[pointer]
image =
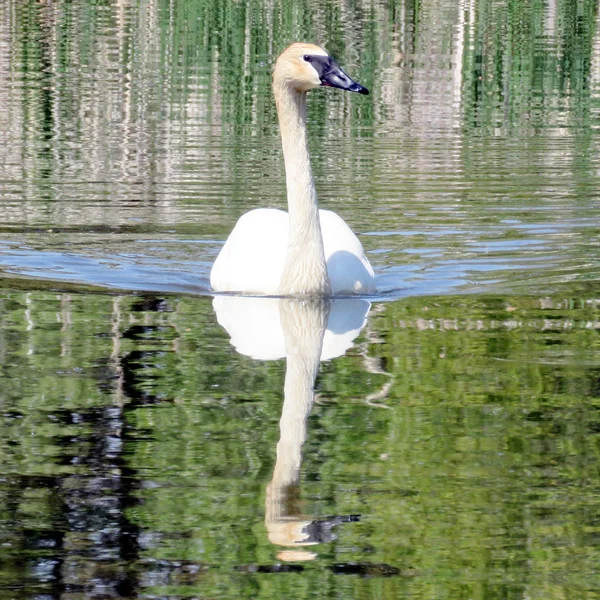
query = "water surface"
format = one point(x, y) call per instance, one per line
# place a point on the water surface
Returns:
point(157, 442)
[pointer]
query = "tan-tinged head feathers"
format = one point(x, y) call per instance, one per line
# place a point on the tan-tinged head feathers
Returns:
point(293, 70)
point(302, 67)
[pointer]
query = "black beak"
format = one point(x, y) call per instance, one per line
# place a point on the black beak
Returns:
point(332, 75)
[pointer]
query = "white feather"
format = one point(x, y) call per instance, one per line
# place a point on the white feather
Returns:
point(253, 256)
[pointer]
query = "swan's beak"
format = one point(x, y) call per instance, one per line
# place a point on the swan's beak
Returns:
point(332, 75)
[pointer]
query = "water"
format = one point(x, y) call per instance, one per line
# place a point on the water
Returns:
point(451, 449)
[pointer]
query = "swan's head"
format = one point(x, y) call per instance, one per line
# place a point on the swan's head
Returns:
point(306, 66)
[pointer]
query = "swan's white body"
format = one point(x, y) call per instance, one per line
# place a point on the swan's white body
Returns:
point(253, 258)
point(306, 251)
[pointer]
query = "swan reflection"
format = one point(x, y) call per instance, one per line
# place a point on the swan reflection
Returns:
point(304, 331)
point(256, 329)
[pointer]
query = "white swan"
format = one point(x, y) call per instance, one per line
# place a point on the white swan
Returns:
point(308, 251)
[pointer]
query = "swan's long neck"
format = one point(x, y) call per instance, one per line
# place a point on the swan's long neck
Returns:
point(305, 271)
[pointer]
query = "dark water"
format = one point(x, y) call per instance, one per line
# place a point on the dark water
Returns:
point(160, 443)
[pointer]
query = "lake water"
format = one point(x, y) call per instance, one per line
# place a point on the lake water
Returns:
point(157, 442)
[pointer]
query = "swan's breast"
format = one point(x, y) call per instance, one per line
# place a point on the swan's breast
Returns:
point(253, 257)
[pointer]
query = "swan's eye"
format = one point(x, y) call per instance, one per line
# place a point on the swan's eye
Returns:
point(307, 58)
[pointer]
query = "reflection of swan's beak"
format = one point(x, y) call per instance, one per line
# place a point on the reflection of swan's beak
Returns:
point(296, 555)
point(287, 526)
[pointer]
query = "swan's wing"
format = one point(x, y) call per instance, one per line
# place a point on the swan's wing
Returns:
point(252, 258)
point(349, 269)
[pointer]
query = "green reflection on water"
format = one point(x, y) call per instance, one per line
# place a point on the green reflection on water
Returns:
point(477, 147)
point(137, 446)
point(463, 431)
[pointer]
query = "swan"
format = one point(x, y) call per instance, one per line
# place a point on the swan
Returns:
point(307, 251)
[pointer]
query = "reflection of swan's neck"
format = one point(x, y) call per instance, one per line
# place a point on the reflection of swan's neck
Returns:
point(300, 376)
point(305, 271)
point(303, 324)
